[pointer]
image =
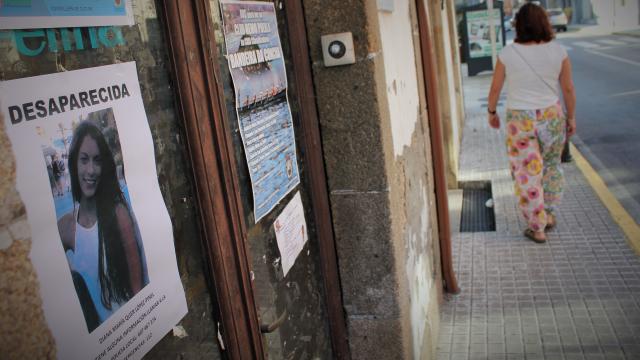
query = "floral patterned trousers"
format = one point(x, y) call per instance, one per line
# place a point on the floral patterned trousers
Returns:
point(535, 139)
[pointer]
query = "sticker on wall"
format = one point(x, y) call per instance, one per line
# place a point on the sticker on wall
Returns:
point(254, 55)
point(39, 14)
point(291, 232)
point(102, 242)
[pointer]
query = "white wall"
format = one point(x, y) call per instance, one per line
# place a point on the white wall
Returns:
point(400, 71)
point(616, 15)
point(421, 284)
point(403, 97)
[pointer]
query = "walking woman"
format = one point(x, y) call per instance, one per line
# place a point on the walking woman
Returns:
point(100, 235)
point(536, 127)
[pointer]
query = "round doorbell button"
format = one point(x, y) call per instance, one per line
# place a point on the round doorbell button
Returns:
point(337, 49)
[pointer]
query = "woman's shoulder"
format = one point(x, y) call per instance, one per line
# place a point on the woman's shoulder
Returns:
point(126, 223)
point(554, 44)
point(506, 51)
point(66, 220)
point(123, 215)
point(121, 208)
point(543, 49)
point(66, 229)
point(508, 48)
point(557, 48)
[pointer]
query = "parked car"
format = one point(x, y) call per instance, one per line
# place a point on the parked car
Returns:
point(508, 25)
point(558, 19)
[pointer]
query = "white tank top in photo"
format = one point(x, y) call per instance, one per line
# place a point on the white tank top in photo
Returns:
point(84, 260)
point(525, 89)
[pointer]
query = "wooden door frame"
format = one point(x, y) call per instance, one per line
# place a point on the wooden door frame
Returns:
point(317, 178)
point(200, 103)
point(437, 147)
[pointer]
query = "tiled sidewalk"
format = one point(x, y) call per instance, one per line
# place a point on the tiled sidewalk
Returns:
point(575, 297)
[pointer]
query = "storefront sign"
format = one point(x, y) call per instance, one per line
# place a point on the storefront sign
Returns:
point(255, 59)
point(102, 242)
point(291, 232)
point(37, 14)
point(63, 39)
point(479, 33)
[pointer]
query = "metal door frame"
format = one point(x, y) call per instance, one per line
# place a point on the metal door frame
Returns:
point(200, 103)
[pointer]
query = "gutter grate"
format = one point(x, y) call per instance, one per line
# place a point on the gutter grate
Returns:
point(476, 216)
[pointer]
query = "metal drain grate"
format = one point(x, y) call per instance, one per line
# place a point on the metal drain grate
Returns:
point(476, 216)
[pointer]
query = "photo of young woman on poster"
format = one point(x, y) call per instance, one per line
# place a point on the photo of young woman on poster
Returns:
point(98, 230)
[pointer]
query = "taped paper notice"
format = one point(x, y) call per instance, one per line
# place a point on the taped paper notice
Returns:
point(291, 232)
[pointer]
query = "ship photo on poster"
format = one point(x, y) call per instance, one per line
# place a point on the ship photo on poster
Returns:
point(254, 55)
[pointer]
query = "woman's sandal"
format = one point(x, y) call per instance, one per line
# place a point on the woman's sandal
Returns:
point(550, 224)
point(532, 235)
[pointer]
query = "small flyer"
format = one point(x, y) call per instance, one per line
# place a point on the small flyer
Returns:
point(291, 232)
point(102, 239)
point(42, 14)
point(255, 61)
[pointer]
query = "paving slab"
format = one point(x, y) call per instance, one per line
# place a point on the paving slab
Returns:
point(577, 296)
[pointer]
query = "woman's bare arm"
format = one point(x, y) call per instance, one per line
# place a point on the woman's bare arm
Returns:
point(494, 93)
point(569, 95)
point(132, 253)
point(66, 229)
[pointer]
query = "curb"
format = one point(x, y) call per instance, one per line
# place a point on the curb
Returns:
point(618, 213)
point(633, 34)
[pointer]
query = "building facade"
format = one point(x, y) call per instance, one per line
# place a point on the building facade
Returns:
point(376, 145)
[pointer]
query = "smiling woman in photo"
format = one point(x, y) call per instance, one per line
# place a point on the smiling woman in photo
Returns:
point(100, 235)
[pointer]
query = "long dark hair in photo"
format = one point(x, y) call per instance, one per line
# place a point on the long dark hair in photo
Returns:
point(113, 273)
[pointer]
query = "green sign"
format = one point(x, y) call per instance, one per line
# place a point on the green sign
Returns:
point(478, 32)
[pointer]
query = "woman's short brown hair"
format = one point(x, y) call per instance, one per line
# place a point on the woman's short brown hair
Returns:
point(532, 24)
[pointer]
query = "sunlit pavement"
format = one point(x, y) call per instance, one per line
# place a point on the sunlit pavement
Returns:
point(606, 71)
point(575, 297)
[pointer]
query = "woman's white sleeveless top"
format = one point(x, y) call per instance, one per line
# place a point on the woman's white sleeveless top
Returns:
point(525, 89)
point(84, 260)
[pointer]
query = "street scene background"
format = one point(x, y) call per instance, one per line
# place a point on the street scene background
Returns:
point(603, 42)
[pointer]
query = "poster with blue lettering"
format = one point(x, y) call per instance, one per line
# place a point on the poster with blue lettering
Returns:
point(41, 14)
point(254, 55)
point(101, 237)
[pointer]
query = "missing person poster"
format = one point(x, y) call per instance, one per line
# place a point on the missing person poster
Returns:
point(479, 32)
point(255, 60)
point(102, 242)
point(40, 14)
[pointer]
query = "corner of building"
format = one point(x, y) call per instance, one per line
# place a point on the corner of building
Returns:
point(377, 152)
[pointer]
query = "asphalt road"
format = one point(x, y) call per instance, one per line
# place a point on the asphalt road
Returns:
point(606, 71)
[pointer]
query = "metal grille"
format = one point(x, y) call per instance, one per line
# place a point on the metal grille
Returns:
point(476, 216)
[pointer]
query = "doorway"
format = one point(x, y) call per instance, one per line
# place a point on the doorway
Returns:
point(264, 313)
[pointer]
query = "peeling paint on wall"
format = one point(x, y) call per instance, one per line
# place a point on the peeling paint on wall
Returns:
point(397, 37)
point(419, 274)
point(400, 72)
